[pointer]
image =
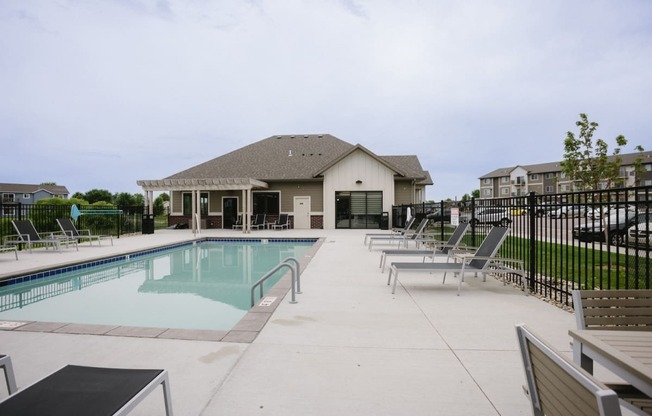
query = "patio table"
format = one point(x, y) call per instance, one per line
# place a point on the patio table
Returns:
point(628, 354)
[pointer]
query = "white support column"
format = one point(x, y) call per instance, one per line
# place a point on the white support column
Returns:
point(198, 212)
point(150, 202)
point(193, 211)
point(250, 204)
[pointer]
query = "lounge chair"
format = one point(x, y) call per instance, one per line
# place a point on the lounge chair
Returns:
point(483, 261)
point(10, 378)
point(27, 234)
point(88, 390)
point(5, 249)
point(558, 387)
point(401, 239)
point(238, 223)
point(281, 222)
point(68, 228)
point(393, 232)
point(439, 249)
point(259, 222)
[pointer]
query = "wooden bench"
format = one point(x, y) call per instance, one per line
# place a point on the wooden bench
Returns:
point(613, 309)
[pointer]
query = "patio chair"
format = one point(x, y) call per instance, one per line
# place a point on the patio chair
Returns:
point(627, 309)
point(238, 223)
point(27, 234)
point(77, 389)
point(259, 222)
point(10, 379)
point(483, 261)
point(401, 239)
point(5, 249)
point(281, 222)
point(70, 230)
point(556, 386)
point(393, 232)
point(439, 248)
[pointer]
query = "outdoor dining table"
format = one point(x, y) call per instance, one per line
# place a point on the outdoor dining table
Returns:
point(628, 354)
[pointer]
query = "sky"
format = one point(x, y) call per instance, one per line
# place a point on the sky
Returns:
point(100, 94)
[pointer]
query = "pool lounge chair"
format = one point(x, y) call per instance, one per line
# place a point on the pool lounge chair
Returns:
point(259, 222)
point(6, 249)
point(10, 378)
point(238, 223)
point(483, 261)
point(70, 230)
point(281, 222)
point(401, 239)
point(395, 232)
point(27, 234)
point(556, 386)
point(94, 391)
point(439, 248)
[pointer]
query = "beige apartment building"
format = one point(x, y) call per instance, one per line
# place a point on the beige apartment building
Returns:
point(548, 178)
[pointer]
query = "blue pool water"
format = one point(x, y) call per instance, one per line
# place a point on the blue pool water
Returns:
point(205, 285)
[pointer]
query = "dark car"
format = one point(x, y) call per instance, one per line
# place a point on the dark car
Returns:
point(616, 225)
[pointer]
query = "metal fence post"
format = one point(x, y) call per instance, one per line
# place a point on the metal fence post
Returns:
point(533, 241)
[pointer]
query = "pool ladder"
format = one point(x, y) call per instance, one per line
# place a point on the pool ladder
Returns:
point(291, 263)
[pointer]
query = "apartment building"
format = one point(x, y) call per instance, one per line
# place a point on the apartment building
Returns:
point(548, 178)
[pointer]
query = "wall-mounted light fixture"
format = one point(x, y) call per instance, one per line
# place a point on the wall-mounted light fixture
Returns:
point(358, 181)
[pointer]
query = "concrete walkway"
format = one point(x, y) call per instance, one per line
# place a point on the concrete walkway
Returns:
point(347, 347)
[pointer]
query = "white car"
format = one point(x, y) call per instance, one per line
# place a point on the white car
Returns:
point(640, 235)
point(568, 211)
point(612, 211)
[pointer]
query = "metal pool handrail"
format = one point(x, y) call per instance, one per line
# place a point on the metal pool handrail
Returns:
point(296, 277)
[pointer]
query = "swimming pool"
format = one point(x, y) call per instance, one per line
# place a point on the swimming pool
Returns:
point(203, 284)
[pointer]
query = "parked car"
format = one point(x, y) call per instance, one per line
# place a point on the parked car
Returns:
point(494, 216)
point(612, 210)
point(518, 211)
point(640, 235)
point(568, 211)
point(617, 226)
point(436, 215)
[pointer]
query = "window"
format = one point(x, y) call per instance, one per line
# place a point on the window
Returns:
point(486, 192)
point(550, 189)
point(27, 196)
point(563, 175)
point(358, 209)
point(267, 202)
point(486, 181)
point(187, 204)
point(504, 191)
point(504, 179)
point(549, 175)
point(647, 182)
point(8, 198)
point(534, 177)
point(648, 167)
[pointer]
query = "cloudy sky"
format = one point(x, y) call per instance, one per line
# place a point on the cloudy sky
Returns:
point(99, 94)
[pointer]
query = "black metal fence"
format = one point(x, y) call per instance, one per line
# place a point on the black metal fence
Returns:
point(587, 240)
point(100, 220)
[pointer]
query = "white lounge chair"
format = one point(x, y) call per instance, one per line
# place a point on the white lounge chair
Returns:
point(439, 248)
point(88, 390)
point(394, 232)
point(483, 261)
point(70, 230)
point(403, 239)
point(27, 234)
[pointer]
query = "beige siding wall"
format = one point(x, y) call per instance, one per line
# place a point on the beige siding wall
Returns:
point(343, 176)
point(402, 193)
point(291, 189)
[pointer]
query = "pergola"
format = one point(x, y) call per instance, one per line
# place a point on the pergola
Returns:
point(196, 186)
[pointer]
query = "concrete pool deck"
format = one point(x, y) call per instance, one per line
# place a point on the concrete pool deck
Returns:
point(347, 347)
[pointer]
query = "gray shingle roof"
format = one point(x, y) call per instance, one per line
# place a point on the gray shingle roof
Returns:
point(20, 188)
point(289, 157)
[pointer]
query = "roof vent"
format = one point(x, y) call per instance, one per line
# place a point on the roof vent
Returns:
point(305, 136)
point(320, 136)
point(290, 153)
point(291, 137)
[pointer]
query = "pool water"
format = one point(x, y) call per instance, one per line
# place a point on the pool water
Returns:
point(193, 286)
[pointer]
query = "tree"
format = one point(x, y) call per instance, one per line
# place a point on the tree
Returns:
point(96, 195)
point(587, 162)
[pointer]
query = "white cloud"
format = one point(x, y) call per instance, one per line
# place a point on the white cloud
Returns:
point(143, 89)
